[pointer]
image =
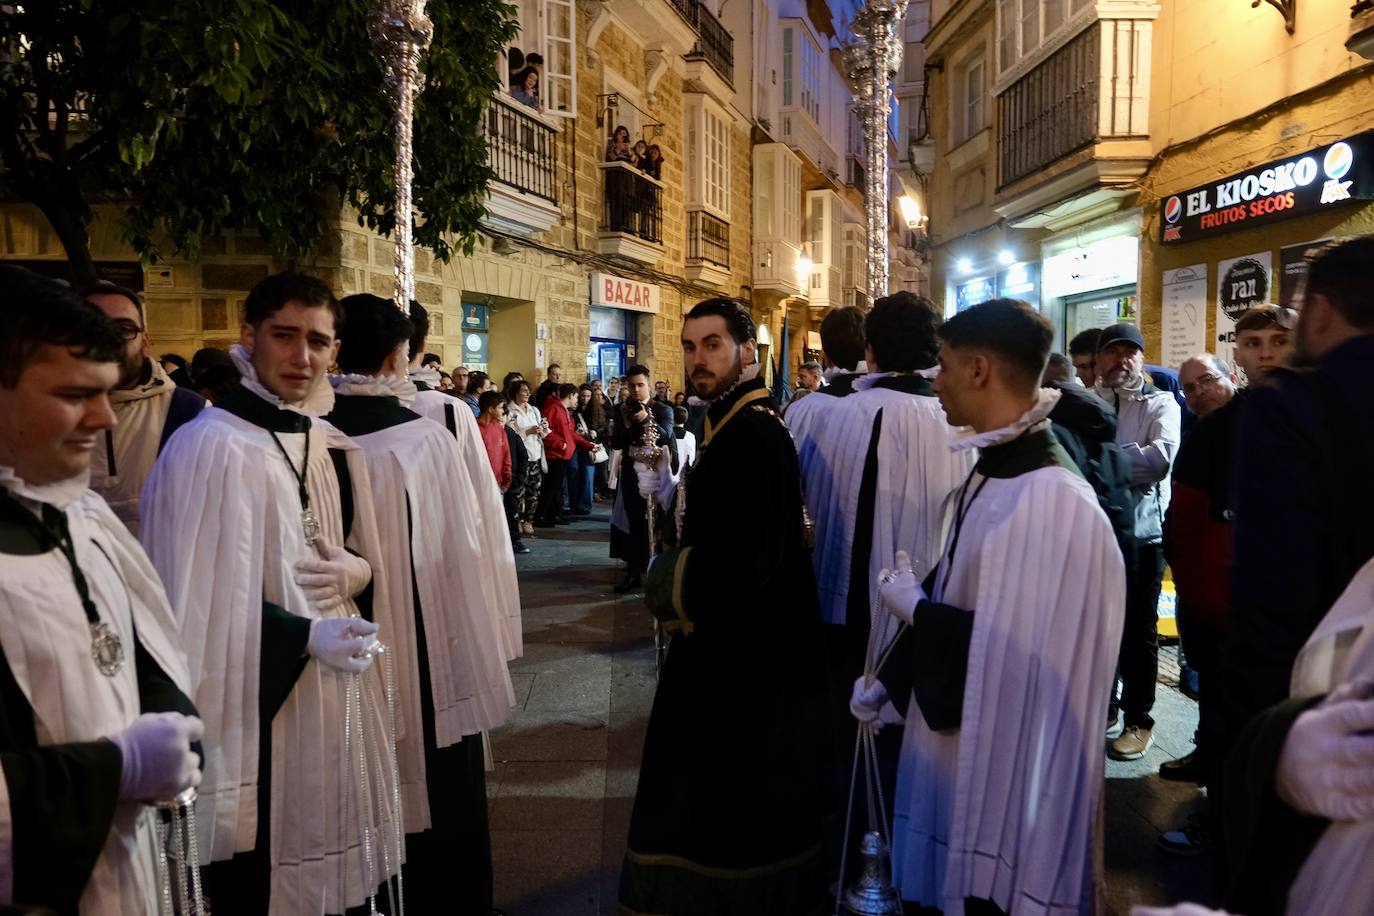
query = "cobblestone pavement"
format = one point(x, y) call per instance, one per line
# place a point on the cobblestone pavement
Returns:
point(567, 761)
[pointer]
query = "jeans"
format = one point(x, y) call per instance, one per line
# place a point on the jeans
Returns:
point(580, 472)
point(1203, 645)
point(1139, 659)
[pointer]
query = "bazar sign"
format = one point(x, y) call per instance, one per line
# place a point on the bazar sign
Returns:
point(1302, 184)
point(623, 293)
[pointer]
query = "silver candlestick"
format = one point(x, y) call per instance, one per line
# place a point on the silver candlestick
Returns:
point(647, 453)
point(402, 32)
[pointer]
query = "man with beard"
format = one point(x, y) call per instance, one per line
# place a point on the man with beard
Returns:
point(731, 799)
point(259, 519)
point(148, 408)
point(629, 519)
point(1148, 431)
point(1011, 648)
point(449, 651)
point(1304, 446)
point(95, 722)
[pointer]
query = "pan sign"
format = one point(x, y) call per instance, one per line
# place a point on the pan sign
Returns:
point(615, 292)
point(1302, 184)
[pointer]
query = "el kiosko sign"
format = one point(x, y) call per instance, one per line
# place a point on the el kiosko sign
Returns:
point(1299, 185)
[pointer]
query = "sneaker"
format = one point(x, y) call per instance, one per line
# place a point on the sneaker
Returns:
point(1192, 839)
point(519, 547)
point(1132, 744)
point(1187, 768)
point(1115, 726)
point(1188, 684)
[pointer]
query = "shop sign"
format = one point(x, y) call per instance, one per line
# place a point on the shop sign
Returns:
point(1302, 184)
point(1020, 281)
point(1100, 265)
point(1293, 272)
point(615, 292)
point(972, 292)
point(1242, 284)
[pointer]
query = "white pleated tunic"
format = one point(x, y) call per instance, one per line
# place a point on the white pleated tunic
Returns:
point(498, 558)
point(419, 480)
point(222, 524)
point(47, 643)
point(1006, 808)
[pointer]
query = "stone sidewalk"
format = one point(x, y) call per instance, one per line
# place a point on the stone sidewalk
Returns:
point(567, 762)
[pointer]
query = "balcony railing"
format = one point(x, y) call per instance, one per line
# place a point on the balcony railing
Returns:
point(708, 239)
point(633, 202)
point(520, 148)
point(1059, 107)
point(715, 45)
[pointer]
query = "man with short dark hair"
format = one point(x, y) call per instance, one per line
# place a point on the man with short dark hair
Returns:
point(95, 720)
point(629, 520)
point(730, 808)
point(842, 347)
point(1148, 431)
point(560, 445)
point(1005, 663)
point(809, 376)
point(553, 377)
point(1302, 488)
point(246, 516)
point(1060, 369)
point(148, 407)
point(1083, 355)
point(450, 663)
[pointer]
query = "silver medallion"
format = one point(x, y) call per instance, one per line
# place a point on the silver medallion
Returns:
point(310, 525)
point(106, 649)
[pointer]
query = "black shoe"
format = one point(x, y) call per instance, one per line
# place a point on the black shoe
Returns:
point(1191, 839)
point(580, 512)
point(1187, 768)
point(543, 523)
point(562, 520)
point(519, 547)
point(628, 584)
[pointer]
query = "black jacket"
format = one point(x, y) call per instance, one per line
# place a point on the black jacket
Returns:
point(1086, 428)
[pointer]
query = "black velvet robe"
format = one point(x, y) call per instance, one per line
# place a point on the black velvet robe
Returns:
point(732, 806)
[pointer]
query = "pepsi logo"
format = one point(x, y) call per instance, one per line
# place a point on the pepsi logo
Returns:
point(1173, 209)
point(1339, 158)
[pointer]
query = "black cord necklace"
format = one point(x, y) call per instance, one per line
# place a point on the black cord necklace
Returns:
point(310, 524)
point(53, 532)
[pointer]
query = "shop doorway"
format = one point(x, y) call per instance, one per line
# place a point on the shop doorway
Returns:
point(1098, 309)
point(614, 333)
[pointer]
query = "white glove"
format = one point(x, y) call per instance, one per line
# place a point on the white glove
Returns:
point(899, 589)
point(332, 577)
point(1182, 909)
point(655, 482)
point(157, 761)
point(342, 643)
point(1326, 767)
point(867, 701)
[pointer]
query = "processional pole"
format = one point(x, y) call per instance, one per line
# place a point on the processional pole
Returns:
point(402, 33)
point(871, 59)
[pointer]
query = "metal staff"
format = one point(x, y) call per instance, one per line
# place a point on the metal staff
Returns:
point(647, 453)
point(402, 32)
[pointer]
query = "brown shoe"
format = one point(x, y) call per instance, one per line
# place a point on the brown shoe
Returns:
point(1132, 744)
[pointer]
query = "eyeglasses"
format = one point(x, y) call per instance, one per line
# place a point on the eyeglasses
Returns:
point(127, 329)
point(1193, 388)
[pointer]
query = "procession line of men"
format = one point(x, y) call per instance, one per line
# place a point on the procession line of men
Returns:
point(287, 530)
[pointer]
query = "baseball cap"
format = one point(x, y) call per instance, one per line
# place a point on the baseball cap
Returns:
point(1125, 332)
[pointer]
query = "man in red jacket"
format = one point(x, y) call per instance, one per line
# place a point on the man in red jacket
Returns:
point(560, 445)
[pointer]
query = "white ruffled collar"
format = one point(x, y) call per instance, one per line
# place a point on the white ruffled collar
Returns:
point(390, 386)
point(834, 372)
point(318, 402)
point(870, 380)
point(747, 374)
point(967, 438)
point(429, 376)
point(61, 494)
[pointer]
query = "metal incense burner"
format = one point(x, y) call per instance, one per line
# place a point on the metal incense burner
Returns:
point(873, 894)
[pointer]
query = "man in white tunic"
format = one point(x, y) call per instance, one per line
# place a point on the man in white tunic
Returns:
point(1011, 643)
point(148, 407)
point(245, 517)
point(448, 649)
point(95, 719)
point(497, 559)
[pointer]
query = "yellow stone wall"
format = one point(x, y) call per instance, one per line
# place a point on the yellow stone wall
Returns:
point(1220, 106)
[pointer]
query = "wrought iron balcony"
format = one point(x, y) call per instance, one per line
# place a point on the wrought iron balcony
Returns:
point(631, 213)
point(1072, 100)
point(708, 239)
point(520, 148)
point(714, 45)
